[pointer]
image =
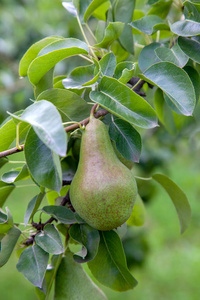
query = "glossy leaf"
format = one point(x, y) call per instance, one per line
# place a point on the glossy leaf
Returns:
point(50, 55)
point(69, 6)
point(6, 221)
point(148, 56)
point(108, 64)
point(7, 134)
point(62, 213)
point(92, 7)
point(89, 238)
point(124, 70)
point(112, 32)
point(71, 275)
point(149, 24)
point(186, 28)
point(109, 266)
point(32, 53)
point(190, 47)
point(175, 83)
point(50, 240)
point(47, 123)
point(33, 207)
point(8, 244)
point(174, 55)
point(67, 103)
point(32, 264)
point(14, 176)
point(178, 198)
point(43, 164)
point(137, 217)
point(120, 100)
point(126, 138)
point(5, 190)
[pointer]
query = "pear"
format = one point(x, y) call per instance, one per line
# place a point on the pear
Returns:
point(103, 190)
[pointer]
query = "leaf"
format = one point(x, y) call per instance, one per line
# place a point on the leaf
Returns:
point(7, 134)
point(109, 266)
point(175, 83)
point(71, 275)
point(50, 240)
point(100, 13)
point(137, 217)
point(43, 164)
point(32, 53)
point(62, 213)
point(178, 198)
point(32, 264)
point(45, 83)
point(47, 123)
point(7, 244)
point(3, 161)
point(6, 221)
point(126, 138)
point(112, 32)
point(174, 55)
point(108, 64)
point(69, 6)
point(89, 238)
point(50, 55)
point(186, 28)
point(5, 190)
point(149, 24)
point(14, 176)
point(120, 100)
point(191, 11)
point(69, 167)
point(148, 56)
point(92, 7)
point(123, 12)
point(124, 70)
point(161, 8)
point(190, 47)
point(33, 207)
point(195, 78)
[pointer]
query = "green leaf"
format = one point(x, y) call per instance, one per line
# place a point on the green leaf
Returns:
point(71, 275)
point(174, 55)
point(43, 164)
point(8, 244)
point(47, 123)
point(137, 217)
point(50, 240)
point(149, 24)
point(108, 64)
point(67, 103)
point(109, 266)
point(191, 11)
point(89, 238)
point(175, 83)
point(50, 55)
point(32, 53)
point(45, 83)
point(195, 78)
point(32, 207)
point(124, 70)
point(178, 198)
point(6, 221)
point(148, 56)
point(3, 161)
point(7, 134)
point(32, 264)
point(123, 12)
point(190, 47)
point(186, 28)
point(161, 8)
point(92, 7)
point(101, 12)
point(69, 167)
point(62, 213)
point(120, 100)
point(14, 176)
point(112, 32)
point(126, 138)
point(5, 190)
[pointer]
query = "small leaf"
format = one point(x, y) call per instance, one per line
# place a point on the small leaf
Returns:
point(174, 55)
point(190, 47)
point(32, 264)
point(108, 64)
point(14, 176)
point(161, 8)
point(112, 32)
point(3, 161)
point(178, 198)
point(71, 275)
point(120, 100)
point(186, 28)
point(8, 244)
point(89, 238)
point(5, 190)
point(50, 240)
point(43, 164)
point(92, 7)
point(127, 139)
point(47, 123)
point(7, 134)
point(62, 213)
point(137, 217)
point(122, 67)
point(69, 6)
point(6, 221)
point(32, 207)
point(175, 83)
point(109, 265)
point(149, 24)
point(148, 56)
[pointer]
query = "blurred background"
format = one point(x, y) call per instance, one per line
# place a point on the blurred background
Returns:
point(165, 263)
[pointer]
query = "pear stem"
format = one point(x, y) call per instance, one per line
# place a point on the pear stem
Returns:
point(94, 110)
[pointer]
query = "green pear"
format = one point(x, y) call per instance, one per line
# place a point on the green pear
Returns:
point(103, 190)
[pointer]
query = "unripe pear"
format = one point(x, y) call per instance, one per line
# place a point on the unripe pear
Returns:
point(103, 190)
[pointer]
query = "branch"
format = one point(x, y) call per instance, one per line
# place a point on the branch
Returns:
point(98, 114)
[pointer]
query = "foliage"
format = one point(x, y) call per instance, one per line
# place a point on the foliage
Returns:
point(119, 78)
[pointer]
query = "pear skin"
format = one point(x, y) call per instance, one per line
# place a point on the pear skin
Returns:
point(103, 190)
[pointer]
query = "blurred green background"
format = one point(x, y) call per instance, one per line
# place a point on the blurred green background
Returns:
point(165, 263)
